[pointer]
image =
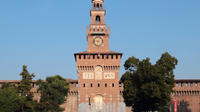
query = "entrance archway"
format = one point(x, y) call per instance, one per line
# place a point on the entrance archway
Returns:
point(98, 103)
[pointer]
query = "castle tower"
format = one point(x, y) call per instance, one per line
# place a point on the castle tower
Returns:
point(98, 67)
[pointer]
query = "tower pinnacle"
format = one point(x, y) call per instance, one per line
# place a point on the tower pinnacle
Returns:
point(97, 4)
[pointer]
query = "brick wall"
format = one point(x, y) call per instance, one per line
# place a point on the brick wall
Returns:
point(186, 92)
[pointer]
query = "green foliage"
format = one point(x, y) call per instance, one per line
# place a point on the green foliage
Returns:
point(53, 92)
point(25, 83)
point(10, 100)
point(24, 89)
point(147, 87)
point(17, 99)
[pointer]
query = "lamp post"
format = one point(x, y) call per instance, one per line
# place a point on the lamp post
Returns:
point(89, 104)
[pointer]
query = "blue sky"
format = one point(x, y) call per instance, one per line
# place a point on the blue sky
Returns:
point(44, 34)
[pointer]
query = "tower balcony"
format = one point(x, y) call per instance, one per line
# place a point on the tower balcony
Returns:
point(98, 29)
point(98, 9)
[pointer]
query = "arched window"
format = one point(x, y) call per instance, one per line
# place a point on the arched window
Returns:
point(83, 85)
point(98, 19)
point(91, 85)
point(101, 7)
point(98, 6)
point(113, 85)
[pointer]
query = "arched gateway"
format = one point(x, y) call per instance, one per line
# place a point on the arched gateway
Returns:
point(98, 103)
point(98, 67)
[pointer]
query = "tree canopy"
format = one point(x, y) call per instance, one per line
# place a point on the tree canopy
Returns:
point(10, 100)
point(19, 98)
point(24, 89)
point(53, 93)
point(147, 87)
point(26, 82)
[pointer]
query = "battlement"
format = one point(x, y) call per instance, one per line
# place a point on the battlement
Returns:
point(187, 84)
point(186, 87)
point(95, 55)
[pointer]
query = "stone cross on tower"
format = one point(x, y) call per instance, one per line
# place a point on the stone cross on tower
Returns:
point(98, 67)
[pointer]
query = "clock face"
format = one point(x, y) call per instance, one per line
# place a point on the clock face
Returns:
point(98, 41)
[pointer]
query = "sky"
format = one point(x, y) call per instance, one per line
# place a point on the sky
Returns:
point(45, 34)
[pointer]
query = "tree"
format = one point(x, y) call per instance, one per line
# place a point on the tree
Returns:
point(15, 99)
point(10, 100)
point(24, 89)
point(53, 93)
point(147, 87)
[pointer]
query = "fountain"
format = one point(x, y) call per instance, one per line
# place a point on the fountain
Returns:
point(107, 107)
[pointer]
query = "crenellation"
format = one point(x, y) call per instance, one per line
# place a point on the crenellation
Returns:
point(105, 68)
point(89, 57)
point(187, 84)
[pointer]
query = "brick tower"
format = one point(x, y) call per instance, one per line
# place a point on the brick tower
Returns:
point(98, 67)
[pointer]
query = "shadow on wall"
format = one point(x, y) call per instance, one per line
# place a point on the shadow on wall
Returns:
point(182, 106)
